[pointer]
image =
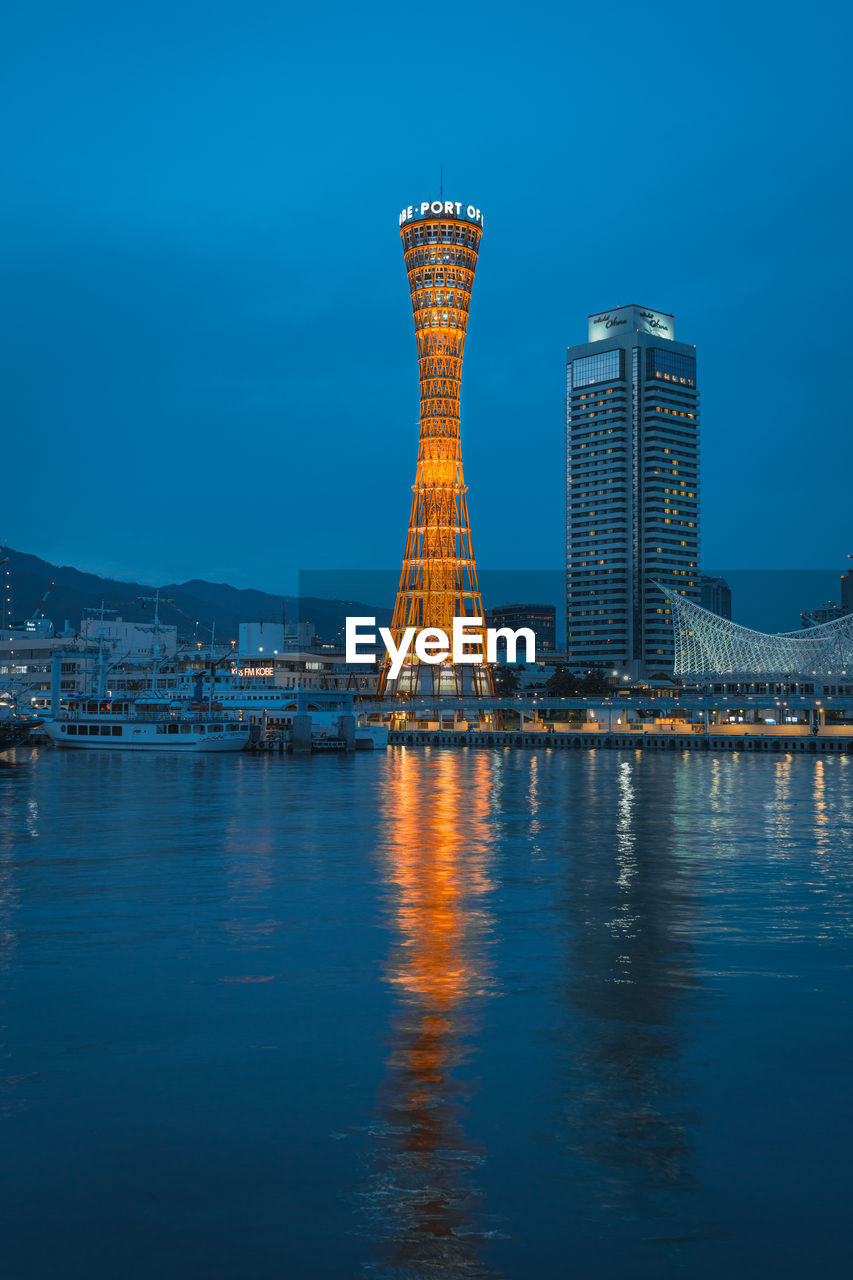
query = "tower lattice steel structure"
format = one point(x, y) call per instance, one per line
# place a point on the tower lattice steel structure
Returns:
point(441, 241)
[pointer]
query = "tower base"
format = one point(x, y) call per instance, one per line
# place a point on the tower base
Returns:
point(418, 679)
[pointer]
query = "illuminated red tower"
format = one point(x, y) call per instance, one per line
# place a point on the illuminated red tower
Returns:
point(438, 582)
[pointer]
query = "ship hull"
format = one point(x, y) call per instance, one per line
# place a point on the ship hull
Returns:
point(146, 738)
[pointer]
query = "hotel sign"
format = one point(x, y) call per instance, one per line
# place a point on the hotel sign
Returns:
point(655, 323)
point(607, 324)
point(442, 209)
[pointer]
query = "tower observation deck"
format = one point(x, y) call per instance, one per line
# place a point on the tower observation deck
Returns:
point(441, 241)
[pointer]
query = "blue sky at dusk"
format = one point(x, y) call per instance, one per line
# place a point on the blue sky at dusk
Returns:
point(208, 359)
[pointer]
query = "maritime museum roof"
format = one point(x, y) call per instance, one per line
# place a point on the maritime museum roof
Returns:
point(708, 645)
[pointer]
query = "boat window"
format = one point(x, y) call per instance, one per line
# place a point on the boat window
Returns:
point(105, 730)
point(116, 730)
point(174, 728)
point(71, 728)
point(83, 729)
point(199, 728)
point(185, 728)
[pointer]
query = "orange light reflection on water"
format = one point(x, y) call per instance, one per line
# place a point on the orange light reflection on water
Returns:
point(435, 861)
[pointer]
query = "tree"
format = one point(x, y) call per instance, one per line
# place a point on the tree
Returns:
point(595, 683)
point(565, 684)
point(506, 681)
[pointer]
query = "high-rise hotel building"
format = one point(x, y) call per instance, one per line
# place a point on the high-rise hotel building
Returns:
point(632, 489)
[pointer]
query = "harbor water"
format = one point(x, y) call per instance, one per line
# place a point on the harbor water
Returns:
point(425, 1013)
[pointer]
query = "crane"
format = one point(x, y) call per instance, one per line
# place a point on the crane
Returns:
point(38, 612)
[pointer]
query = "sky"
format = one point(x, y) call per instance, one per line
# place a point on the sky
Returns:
point(207, 352)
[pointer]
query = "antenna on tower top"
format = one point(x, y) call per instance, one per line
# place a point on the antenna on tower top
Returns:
point(441, 185)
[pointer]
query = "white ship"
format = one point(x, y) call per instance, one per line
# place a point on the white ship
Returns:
point(148, 725)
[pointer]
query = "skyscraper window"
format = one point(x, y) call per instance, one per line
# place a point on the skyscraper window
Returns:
point(671, 366)
point(604, 367)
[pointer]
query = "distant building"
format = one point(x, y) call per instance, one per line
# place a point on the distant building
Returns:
point(826, 613)
point(131, 640)
point(829, 611)
point(42, 627)
point(715, 595)
point(632, 489)
point(260, 638)
point(26, 660)
point(540, 618)
point(268, 638)
point(847, 590)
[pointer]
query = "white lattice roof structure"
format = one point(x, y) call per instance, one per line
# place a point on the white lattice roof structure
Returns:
point(707, 645)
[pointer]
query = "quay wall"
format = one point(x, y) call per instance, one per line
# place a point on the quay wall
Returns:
point(835, 744)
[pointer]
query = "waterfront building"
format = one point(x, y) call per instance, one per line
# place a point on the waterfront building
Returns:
point(26, 661)
point(88, 661)
point(438, 582)
point(715, 595)
point(632, 489)
point(540, 618)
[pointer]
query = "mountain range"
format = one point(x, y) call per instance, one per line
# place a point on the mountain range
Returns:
point(192, 606)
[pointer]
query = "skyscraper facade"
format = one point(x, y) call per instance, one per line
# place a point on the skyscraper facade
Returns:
point(632, 489)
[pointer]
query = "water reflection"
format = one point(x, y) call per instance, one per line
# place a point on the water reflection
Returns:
point(632, 908)
point(18, 825)
point(423, 1203)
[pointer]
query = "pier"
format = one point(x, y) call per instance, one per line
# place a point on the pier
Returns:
point(826, 742)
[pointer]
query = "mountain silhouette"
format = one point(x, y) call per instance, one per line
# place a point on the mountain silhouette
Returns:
point(191, 606)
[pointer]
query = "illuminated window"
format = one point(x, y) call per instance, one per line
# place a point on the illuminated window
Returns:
point(671, 366)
